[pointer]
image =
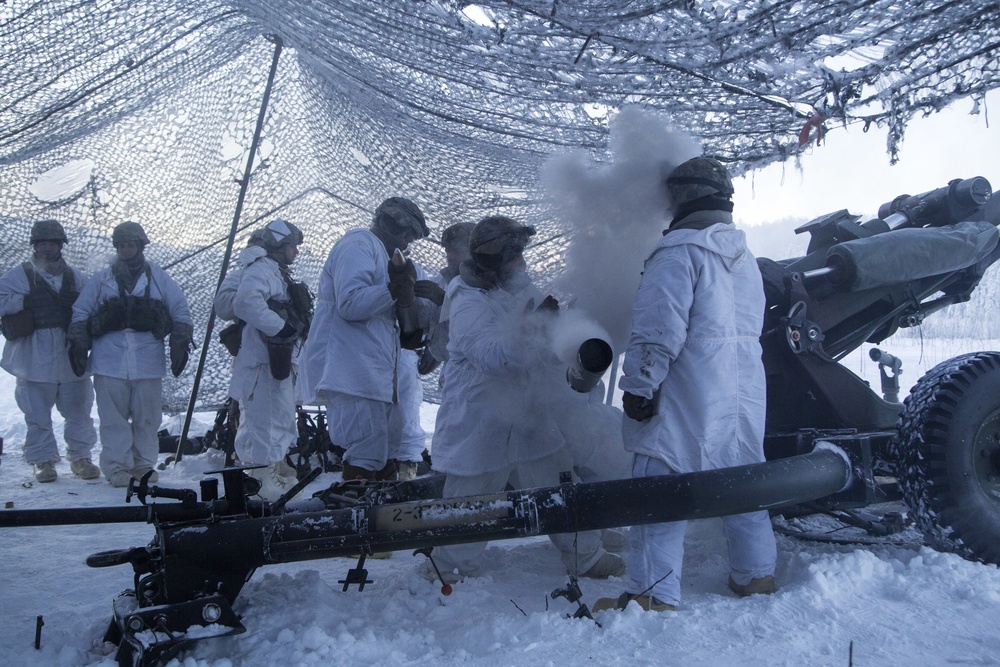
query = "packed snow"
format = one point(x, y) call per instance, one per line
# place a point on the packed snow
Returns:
point(892, 603)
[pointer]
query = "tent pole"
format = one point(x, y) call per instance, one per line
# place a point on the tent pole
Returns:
point(244, 184)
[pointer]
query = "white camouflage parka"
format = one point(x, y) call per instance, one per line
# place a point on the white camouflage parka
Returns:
point(695, 350)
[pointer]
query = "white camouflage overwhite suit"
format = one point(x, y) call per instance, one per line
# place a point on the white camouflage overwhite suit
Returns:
point(351, 358)
point(44, 378)
point(128, 368)
point(492, 428)
point(695, 350)
point(268, 419)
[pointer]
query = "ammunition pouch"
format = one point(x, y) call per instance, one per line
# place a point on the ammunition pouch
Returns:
point(44, 308)
point(279, 356)
point(231, 337)
point(18, 325)
point(139, 313)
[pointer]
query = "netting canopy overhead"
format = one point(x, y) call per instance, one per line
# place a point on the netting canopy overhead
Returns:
point(148, 110)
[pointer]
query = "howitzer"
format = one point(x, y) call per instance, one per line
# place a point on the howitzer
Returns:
point(858, 282)
point(204, 551)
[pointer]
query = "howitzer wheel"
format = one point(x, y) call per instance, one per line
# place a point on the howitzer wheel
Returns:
point(948, 455)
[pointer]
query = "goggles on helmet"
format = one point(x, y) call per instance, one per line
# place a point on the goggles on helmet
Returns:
point(494, 253)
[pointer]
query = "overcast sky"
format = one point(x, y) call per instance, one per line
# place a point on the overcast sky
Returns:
point(851, 169)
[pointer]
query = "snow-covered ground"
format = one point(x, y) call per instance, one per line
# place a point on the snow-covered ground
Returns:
point(837, 604)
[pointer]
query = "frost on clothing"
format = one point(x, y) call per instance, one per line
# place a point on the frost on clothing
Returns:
point(695, 350)
point(129, 354)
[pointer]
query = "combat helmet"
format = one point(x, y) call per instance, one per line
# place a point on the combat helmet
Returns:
point(457, 235)
point(48, 230)
point(496, 240)
point(696, 179)
point(130, 231)
point(398, 214)
point(276, 234)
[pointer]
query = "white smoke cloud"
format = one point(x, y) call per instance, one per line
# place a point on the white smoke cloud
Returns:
point(617, 212)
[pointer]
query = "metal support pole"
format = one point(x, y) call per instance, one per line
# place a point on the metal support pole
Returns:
point(244, 184)
point(611, 384)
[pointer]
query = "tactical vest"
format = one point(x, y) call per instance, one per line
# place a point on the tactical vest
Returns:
point(50, 309)
point(139, 313)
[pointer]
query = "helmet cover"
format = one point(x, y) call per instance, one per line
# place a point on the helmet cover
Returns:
point(397, 214)
point(48, 230)
point(696, 178)
point(130, 231)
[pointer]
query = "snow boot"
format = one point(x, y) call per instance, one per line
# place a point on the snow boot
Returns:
point(137, 473)
point(645, 602)
point(84, 469)
point(406, 470)
point(45, 472)
point(119, 478)
point(759, 586)
point(272, 484)
point(288, 472)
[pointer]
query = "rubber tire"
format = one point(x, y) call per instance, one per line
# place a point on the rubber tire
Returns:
point(948, 456)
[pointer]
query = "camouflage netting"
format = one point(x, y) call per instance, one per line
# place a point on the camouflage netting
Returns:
point(146, 110)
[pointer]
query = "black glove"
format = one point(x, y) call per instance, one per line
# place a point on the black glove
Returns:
point(180, 344)
point(430, 290)
point(402, 278)
point(78, 358)
point(427, 362)
point(638, 408)
point(287, 331)
point(178, 358)
point(78, 337)
point(548, 304)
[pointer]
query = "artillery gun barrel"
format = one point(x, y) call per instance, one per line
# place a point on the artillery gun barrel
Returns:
point(943, 206)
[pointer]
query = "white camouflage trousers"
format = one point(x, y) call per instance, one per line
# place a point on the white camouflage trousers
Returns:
point(130, 412)
point(268, 420)
point(406, 436)
point(656, 550)
point(74, 400)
